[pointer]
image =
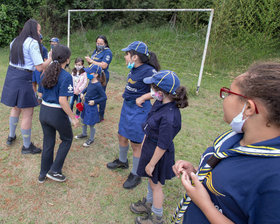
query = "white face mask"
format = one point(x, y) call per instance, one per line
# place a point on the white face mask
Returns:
point(238, 122)
point(156, 95)
point(78, 67)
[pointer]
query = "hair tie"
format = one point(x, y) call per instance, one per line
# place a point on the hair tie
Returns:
point(55, 61)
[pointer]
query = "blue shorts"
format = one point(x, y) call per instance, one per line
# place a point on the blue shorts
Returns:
point(131, 120)
point(17, 90)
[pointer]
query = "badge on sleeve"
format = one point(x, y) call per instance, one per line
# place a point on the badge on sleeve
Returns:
point(70, 88)
point(108, 58)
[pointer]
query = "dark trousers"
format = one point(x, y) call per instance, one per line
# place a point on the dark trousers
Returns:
point(52, 120)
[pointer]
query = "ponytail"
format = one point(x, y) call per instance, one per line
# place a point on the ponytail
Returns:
point(60, 55)
point(181, 98)
point(102, 78)
point(150, 60)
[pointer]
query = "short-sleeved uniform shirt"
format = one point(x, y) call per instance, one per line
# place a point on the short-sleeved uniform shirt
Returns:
point(103, 56)
point(31, 53)
point(64, 87)
point(135, 86)
point(246, 189)
point(162, 125)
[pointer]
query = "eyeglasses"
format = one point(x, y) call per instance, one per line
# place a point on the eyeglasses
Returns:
point(224, 92)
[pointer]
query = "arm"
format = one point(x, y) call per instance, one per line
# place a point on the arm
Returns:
point(82, 83)
point(154, 160)
point(45, 64)
point(102, 97)
point(140, 100)
point(65, 106)
point(199, 195)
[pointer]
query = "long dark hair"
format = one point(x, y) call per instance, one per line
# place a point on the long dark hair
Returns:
point(29, 30)
point(102, 78)
point(150, 60)
point(60, 54)
point(74, 70)
point(180, 98)
point(103, 38)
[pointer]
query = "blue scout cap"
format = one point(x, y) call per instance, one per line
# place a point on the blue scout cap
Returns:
point(93, 69)
point(54, 39)
point(138, 46)
point(165, 79)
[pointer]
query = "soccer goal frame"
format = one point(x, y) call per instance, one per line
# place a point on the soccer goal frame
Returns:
point(156, 10)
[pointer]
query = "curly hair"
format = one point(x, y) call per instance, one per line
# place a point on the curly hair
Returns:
point(180, 98)
point(60, 54)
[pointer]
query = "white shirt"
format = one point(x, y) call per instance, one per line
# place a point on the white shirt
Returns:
point(31, 53)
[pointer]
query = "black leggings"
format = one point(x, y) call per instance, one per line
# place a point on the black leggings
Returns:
point(52, 120)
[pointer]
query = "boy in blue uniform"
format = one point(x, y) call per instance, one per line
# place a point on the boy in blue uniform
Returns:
point(157, 157)
point(239, 174)
point(136, 106)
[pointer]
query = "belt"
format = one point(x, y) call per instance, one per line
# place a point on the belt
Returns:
point(21, 69)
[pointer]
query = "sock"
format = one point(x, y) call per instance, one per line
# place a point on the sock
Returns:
point(149, 196)
point(84, 129)
point(135, 165)
point(157, 211)
point(26, 136)
point(123, 153)
point(92, 132)
point(13, 125)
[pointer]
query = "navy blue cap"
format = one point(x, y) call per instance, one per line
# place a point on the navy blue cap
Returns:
point(138, 46)
point(93, 69)
point(54, 39)
point(164, 79)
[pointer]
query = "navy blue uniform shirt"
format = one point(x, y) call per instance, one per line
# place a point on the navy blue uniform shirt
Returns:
point(64, 87)
point(94, 91)
point(246, 189)
point(103, 56)
point(135, 86)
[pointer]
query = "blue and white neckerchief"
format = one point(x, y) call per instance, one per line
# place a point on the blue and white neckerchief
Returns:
point(223, 148)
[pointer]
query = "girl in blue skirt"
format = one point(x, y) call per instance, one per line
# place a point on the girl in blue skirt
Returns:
point(25, 56)
point(92, 95)
point(157, 158)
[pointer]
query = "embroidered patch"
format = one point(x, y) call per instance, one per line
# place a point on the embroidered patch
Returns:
point(108, 57)
point(70, 88)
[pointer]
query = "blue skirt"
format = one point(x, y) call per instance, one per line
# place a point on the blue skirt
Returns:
point(17, 90)
point(90, 114)
point(131, 120)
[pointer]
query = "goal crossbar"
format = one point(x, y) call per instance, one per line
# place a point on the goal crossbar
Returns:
point(156, 10)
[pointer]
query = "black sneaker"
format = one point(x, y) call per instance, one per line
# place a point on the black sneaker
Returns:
point(10, 140)
point(117, 164)
point(80, 136)
point(132, 181)
point(32, 149)
point(59, 177)
point(88, 143)
point(41, 178)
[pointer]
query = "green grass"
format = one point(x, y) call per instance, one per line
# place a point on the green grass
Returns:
point(92, 193)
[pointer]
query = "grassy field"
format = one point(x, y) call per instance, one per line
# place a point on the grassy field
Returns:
point(92, 193)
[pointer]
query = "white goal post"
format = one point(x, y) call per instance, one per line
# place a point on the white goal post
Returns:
point(155, 10)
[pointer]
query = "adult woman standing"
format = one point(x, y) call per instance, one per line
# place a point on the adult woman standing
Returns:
point(102, 56)
point(57, 86)
point(25, 56)
point(136, 106)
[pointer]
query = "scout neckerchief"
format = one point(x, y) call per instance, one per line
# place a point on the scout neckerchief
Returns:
point(223, 148)
point(93, 57)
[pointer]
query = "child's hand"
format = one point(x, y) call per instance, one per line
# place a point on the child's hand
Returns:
point(195, 190)
point(182, 166)
point(149, 169)
point(91, 102)
point(82, 96)
point(75, 122)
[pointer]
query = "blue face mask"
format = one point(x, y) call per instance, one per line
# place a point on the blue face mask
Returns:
point(238, 122)
point(89, 76)
point(100, 47)
point(130, 65)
